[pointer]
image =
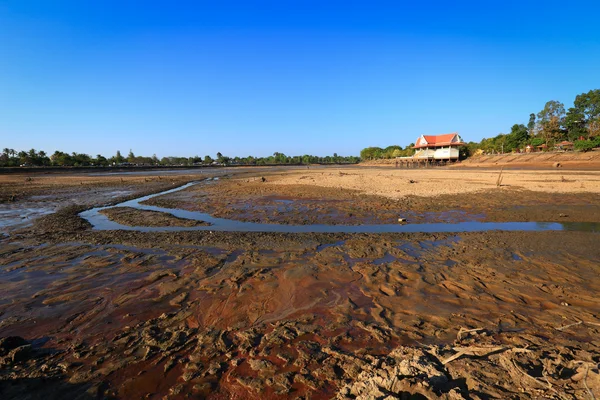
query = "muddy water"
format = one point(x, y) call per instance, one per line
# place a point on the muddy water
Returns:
point(23, 213)
point(102, 222)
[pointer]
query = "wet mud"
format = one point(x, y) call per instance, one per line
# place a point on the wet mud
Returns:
point(125, 314)
point(252, 200)
point(133, 217)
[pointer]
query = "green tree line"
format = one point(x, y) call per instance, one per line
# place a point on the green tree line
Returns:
point(579, 124)
point(12, 158)
point(377, 153)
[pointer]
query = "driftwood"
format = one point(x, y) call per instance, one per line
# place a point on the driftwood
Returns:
point(515, 371)
point(482, 351)
point(463, 330)
point(499, 180)
point(561, 328)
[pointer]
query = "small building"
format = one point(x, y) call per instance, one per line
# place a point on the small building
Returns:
point(438, 147)
point(565, 145)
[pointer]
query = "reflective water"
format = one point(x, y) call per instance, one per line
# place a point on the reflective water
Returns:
point(102, 222)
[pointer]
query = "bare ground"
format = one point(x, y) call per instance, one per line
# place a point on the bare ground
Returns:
point(134, 217)
point(96, 314)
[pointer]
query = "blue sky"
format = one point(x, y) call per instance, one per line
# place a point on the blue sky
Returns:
point(255, 77)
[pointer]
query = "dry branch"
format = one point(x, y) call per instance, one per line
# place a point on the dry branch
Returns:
point(473, 351)
point(561, 328)
point(499, 180)
point(463, 330)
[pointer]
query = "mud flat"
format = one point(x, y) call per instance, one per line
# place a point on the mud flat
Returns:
point(357, 196)
point(206, 314)
point(133, 217)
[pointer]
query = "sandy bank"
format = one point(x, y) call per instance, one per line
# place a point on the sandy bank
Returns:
point(397, 183)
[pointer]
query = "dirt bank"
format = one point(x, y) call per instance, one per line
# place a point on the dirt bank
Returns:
point(571, 160)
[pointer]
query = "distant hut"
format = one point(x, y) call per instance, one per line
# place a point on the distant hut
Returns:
point(565, 145)
point(438, 147)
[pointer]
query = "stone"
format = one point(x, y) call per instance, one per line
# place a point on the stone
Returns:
point(21, 353)
point(9, 343)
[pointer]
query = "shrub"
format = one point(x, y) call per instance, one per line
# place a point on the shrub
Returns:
point(537, 142)
point(584, 145)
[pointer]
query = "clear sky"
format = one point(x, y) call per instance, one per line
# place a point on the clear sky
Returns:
point(254, 77)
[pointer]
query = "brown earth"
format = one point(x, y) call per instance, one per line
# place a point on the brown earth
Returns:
point(133, 217)
point(121, 314)
point(573, 160)
point(345, 197)
point(566, 160)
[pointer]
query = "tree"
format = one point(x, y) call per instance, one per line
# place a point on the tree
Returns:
point(551, 120)
point(531, 124)
point(575, 123)
point(594, 128)
point(131, 156)
point(100, 160)
point(584, 145)
point(371, 153)
point(119, 158)
point(518, 137)
point(585, 112)
point(208, 160)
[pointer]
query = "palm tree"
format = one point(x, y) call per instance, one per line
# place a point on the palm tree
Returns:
point(22, 157)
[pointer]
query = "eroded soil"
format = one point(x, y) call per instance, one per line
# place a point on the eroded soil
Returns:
point(119, 314)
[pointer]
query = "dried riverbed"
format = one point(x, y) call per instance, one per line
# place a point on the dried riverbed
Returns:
point(125, 314)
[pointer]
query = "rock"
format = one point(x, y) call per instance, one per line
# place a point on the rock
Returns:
point(65, 366)
point(404, 371)
point(19, 354)
point(401, 219)
point(204, 387)
point(254, 384)
point(10, 342)
point(556, 165)
point(214, 368)
point(563, 215)
point(261, 365)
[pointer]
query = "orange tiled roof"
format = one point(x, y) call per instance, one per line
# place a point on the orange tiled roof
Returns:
point(437, 140)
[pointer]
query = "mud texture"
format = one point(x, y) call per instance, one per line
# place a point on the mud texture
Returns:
point(134, 217)
point(120, 314)
point(269, 202)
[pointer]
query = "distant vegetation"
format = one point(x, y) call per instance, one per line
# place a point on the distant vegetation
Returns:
point(375, 153)
point(580, 124)
point(12, 158)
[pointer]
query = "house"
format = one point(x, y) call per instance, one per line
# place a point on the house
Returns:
point(564, 145)
point(438, 147)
